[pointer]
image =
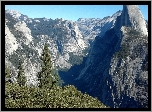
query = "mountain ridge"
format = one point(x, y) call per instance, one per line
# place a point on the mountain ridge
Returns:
point(114, 64)
point(67, 45)
point(115, 50)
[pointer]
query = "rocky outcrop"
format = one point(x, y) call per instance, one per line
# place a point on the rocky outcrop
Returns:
point(114, 68)
point(132, 17)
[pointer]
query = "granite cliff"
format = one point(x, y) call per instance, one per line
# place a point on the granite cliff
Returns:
point(107, 58)
point(25, 38)
point(116, 69)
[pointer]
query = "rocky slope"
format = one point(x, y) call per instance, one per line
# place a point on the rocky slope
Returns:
point(115, 67)
point(92, 27)
point(116, 70)
point(68, 42)
point(25, 38)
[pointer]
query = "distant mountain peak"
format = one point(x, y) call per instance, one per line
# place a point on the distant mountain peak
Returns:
point(13, 12)
point(113, 55)
point(132, 17)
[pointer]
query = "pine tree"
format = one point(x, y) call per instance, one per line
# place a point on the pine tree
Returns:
point(7, 72)
point(60, 82)
point(7, 75)
point(47, 77)
point(21, 79)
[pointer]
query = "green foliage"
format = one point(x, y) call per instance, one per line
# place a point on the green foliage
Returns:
point(21, 79)
point(76, 59)
point(7, 72)
point(133, 34)
point(47, 77)
point(28, 52)
point(123, 52)
point(58, 97)
point(58, 78)
point(125, 48)
point(21, 52)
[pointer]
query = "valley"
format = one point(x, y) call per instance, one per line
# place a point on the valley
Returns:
point(106, 58)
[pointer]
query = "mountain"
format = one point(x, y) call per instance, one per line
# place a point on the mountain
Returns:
point(92, 27)
point(66, 40)
point(25, 38)
point(116, 69)
point(107, 58)
point(147, 24)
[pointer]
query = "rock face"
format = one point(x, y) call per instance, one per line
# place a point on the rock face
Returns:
point(132, 17)
point(92, 27)
point(25, 39)
point(115, 67)
point(68, 42)
point(116, 70)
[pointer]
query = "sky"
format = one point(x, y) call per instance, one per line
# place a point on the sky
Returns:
point(71, 12)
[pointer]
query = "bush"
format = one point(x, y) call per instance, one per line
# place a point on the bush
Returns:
point(58, 97)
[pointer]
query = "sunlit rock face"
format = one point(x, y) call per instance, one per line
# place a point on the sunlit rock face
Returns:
point(132, 17)
point(25, 38)
point(115, 48)
point(68, 42)
point(116, 70)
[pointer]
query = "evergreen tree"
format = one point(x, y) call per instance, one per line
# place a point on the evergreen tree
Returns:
point(21, 79)
point(47, 77)
point(7, 75)
point(7, 72)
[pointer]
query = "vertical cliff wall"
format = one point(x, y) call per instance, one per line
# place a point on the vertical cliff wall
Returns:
point(116, 70)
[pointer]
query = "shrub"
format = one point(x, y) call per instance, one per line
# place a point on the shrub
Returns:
point(58, 97)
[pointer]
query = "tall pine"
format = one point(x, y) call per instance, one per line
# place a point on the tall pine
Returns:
point(21, 78)
point(47, 77)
